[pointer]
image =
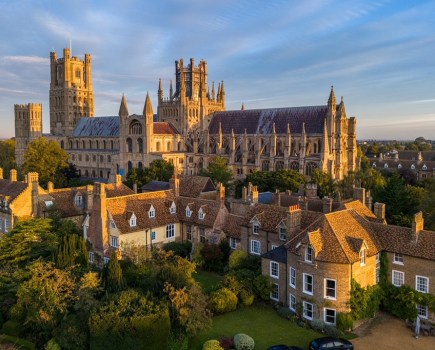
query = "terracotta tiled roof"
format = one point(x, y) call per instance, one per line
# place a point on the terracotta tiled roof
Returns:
point(232, 226)
point(164, 128)
point(63, 200)
point(261, 120)
point(117, 190)
point(121, 209)
point(362, 210)
point(210, 208)
point(12, 189)
point(396, 239)
point(192, 185)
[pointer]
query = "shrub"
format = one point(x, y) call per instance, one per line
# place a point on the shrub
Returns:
point(262, 287)
point(226, 342)
point(212, 255)
point(345, 321)
point(11, 328)
point(317, 325)
point(243, 342)
point(231, 282)
point(333, 331)
point(246, 297)
point(285, 312)
point(223, 300)
point(237, 259)
point(179, 248)
point(52, 345)
point(212, 345)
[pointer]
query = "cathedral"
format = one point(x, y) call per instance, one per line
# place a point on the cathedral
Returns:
point(191, 127)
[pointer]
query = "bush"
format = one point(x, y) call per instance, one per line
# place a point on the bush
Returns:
point(318, 325)
point(345, 321)
point(333, 331)
point(52, 345)
point(262, 287)
point(223, 300)
point(212, 255)
point(180, 249)
point(11, 328)
point(285, 312)
point(212, 345)
point(227, 343)
point(18, 342)
point(231, 282)
point(243, 342)
point(237, 259)
point(246, 297)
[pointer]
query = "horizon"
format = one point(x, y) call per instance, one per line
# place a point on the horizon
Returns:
point(377, 55)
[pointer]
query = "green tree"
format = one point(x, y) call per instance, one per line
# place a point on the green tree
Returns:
point(7, 156)
point(324, 182)
point(44, 300)
point(428, 204)
point(219, 171)
point(47, 158)
point(271, 180)
point(112, 275)
point(72, 251)
point(159, 169)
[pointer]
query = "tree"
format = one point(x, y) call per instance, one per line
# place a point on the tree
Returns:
point(219, 172)
point(47, 158)
point(428, 204)
point(113, 278)
point(44, 300)
point(324, 182)
point(159, 169)
point(7, 156)
point(72, 251)
point(271, 180)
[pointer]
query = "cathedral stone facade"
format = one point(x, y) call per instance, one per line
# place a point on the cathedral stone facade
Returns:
point(190, 129)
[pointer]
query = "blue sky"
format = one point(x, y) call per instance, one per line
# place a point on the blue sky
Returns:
point(378, 54)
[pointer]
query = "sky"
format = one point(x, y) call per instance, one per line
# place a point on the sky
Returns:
point(378, 55)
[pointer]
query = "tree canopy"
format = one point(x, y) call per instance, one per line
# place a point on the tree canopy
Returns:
point(7, 156)
point(47, 158)
point(219, 171)
point(159, 169)
point(272, 180)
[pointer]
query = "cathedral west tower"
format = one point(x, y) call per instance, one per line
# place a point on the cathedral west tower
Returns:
point(71, 92)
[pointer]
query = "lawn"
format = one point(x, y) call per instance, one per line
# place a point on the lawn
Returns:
point(262, 323)
point(208, 280)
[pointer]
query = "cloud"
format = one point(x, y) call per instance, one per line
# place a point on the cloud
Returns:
point(27, 59)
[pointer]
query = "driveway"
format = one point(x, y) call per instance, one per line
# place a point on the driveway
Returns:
point(386, 332)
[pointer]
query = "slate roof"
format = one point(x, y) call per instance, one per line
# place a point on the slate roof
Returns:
point(122, 208)
point(11, 189)
point(406, 164)
point(155, 186)
point(261, 120)
point(397, 239)
point(97, 126)
point(164, 128)
point(413, 155)
point(193, 185)
point(278, 254)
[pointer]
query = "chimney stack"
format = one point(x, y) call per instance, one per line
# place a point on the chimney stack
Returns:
point(135, 187)
point(417, 225)
point(13, 175)
point(369, 200)
point(278, 197)
point(311, 190)
point(303, 202)
point(359, 193)
point(327, 205)
point(294, 216)
point(379, 210)
point(118, 180)
point(174, 184)
point(1, 173)
point(221, 193)
point(50, 187)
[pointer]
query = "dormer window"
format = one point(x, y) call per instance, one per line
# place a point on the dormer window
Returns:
point(362, 256)
point(173, 208)
point(399, 166)
point(413, 167)
point(78, 200)
point(386, 166)
point(424, 167)
point(256, 228)
point(188, 212)
point(201, 214)
point(282, 233)
point(152, 213)
point(133, 221)
point(309, 254)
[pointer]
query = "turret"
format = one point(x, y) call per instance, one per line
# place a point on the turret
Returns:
point(160, 91)
point(123, 109)
point(171, 91)
point(324, 157)
point(288, 141)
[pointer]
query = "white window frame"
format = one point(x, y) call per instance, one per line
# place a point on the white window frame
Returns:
point(153, 233)
point(133, 221)
point(292, 277)
point(189, 232)
point(106, 260)
point(91, 257)
point(188, 212)
point(78, 200)
point(417, 284)
point(362, 257)
point(152, 213)
point(282, 233)
point(114, 241)
point(399, 273)
point(325, 316)
point(274, 267)
point(112, 224)
point(173, 208)
point(273, 291)
point(273, 246)
point(398, 259)
point(201, 214)
point(304, 308)
point(170, 231)
point(305, 283)
point(233, 243)
point(326, 289)
point(292, 302)
point(422, 311)
point(8, 225)
point(202, 235)
point(252, 244)
point(309, 254)
point(255, 229)
point(378, 258)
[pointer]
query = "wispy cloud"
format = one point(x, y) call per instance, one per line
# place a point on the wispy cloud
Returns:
point(27, 59)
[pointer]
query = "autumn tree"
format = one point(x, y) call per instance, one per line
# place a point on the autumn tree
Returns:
point(46, 158)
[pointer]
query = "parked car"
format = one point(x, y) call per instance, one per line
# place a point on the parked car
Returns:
point(330, 343)
point(283, 347)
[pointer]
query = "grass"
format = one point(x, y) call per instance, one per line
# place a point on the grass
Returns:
point(208, 280)
point(262, 323)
